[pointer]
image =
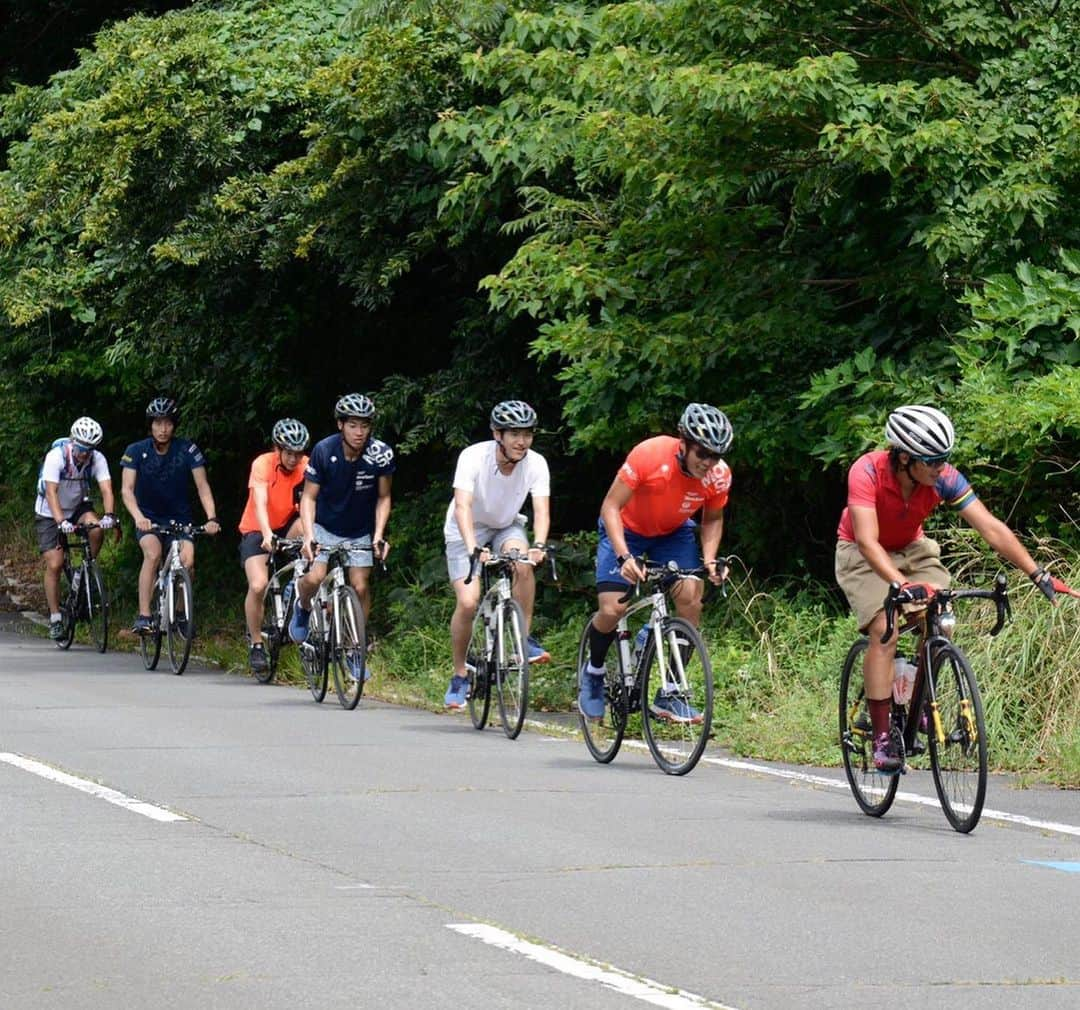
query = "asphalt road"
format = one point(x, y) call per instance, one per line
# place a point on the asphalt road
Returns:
point(394, 858)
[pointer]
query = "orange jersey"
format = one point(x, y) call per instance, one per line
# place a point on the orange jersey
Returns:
point(664, 497)
point(281, 491)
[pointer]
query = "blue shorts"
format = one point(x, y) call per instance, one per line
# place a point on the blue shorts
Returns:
point(679, 546)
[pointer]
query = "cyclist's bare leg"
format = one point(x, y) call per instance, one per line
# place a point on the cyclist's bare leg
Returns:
point(309, 584)
point(96, 536)
point(257, 577)
point(609, 610)
point(54, 565)
point(878, 661)
point(151, 552)
point(187, 556)
point(687, 596)
point(467, 599)
point(360, 580)
point(524, 590)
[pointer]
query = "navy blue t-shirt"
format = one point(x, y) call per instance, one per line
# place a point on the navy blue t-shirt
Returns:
point(163, 482)
point(348, 490)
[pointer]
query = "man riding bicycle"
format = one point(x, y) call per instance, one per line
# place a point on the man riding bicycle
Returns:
point(648, 510)
point(346, 498)
point(274, 488)
point(63, 501)
point(491, 482)
point(156, 492)
point(881, 540)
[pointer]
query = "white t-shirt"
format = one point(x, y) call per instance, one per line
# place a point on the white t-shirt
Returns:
point(73, 480)
point(497, 497)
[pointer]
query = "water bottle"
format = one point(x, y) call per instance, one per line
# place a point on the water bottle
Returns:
point(903, 680)
point(640, 641)
point(76, 581)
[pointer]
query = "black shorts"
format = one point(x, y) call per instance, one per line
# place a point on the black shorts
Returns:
point(251, 543)
point(48, 533)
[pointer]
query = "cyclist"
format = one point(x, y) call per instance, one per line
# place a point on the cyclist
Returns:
point(881, 540)
point(346, 498)
point(275, 485)
point(648, 509)
point(63, 501)
point(491, 482)
point(155, 491)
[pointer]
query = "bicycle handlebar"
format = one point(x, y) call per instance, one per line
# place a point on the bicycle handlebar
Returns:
point(897, 597)
point(514, 555)
point(667, 573)
point(174, 528)
point(345, 547)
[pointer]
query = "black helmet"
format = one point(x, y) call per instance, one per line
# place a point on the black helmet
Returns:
point(512, 414)
point(162, 406)
point(706, 425)
point(354, 405)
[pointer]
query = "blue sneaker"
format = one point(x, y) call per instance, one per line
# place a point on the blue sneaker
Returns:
point(143, 625)
point(357, 668)
point(457, 692)
point(298, 626)
point(537, 653)
point(591, 696)
point(641, 638)
point(671, 708)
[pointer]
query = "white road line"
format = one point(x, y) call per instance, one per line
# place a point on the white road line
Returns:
point(93, 788)
point(620, 981)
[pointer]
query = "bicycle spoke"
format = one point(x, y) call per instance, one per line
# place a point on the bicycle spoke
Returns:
point(604, 736)
point(349, 648)
point(512, 669)
point(476, 662)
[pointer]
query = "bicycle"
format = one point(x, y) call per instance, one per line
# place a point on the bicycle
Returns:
point(337, 632)
point(673, 663)
point(497, 654)
point(277, 601)
point(172, 604)
point(945, 705)
point(85, 599)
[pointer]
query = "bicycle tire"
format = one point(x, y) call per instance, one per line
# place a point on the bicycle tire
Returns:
point(512, 670)
point(97, 606)
point(68, 612)
point(180, 628)
point(348, 648)
point(150, 641)
point(478, 665)
point(603, 736)
point(958, 758)
point(873, 791)
point(677, 742)
point(271, 633)
point(313, 656)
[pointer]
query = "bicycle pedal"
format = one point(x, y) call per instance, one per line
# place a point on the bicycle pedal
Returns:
point(918, 747)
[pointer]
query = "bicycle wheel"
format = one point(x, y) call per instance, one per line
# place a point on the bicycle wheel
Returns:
point(272, 633)
point(313, 653)
point(957, 735)
point(348, 648)
point(603, 736)
point(873, 791)
point(512, 669)
point(150, 641)
point(97, 607)
point(476, 662)
point(676, 697)
point(180, 627)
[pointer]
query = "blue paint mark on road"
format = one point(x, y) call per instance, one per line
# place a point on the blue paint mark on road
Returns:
point(1067, 867)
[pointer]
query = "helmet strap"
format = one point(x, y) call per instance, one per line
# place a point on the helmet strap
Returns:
point(680, 455)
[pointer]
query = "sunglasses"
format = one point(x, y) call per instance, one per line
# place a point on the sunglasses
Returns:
point(705, 455)
point(933, 460)
point(79, 447)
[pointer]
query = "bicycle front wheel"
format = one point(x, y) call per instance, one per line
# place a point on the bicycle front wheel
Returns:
point(957, 733)
point(180, 629)
point(512, 669)
point(676, 696)
point(873, 791)
point(603, 736)
point(313, 653)
point(97, 608)
point(150, 641)
point(476, 662)
point(272, 632)
point(348, 648)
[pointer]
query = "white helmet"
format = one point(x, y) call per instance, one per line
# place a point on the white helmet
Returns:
point(706, 425)
point(354, 405)
point(290, 434)
point(87, 432)
point(512, 414)
point(921, 431)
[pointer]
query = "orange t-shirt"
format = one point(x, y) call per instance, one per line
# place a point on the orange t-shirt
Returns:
point(280, 491)
point(664, 497)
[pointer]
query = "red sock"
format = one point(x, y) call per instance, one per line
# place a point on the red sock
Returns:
point(880, 714)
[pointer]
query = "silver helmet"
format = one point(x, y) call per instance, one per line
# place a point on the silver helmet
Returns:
point(354, 405)
point(512, 414)
point(706, 425)
point(162, 406)
point(290, 434)
point(921, 431)
point(86, 431)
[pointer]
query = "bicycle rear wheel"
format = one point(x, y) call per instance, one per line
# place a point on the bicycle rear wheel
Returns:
point(272, 632)
point(676, 697)
point(476, 662)
point(313, 656)
point(348, 648)
point(150, 641)
point(97, 607)
point(180, 629)
point(603, 736)
point(512, 669)
point(957, 734)
point(873, 791)
point(68, 611)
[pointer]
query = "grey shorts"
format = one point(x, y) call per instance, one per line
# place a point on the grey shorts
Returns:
point(360, 558)
point(457, 558)
point(48, 533)
point(920, 561)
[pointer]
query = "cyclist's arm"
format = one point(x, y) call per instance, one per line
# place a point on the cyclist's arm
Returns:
point(541, 518)
point(259, 497)
point(52, 497)
point(463, 517)
point(712, 531)
point(382, 509)
point(998, 536)
point(206, 496)
point(307, 516)
point(864, 522)
point(611, 512)
point(127, 493)
point(108, 502)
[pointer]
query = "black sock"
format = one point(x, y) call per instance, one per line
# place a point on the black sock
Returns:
point(599, 643)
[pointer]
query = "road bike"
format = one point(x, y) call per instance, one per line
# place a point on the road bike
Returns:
point(86, 599)
point(497, 657)
point(172, 603)
point(672, 665)
point(945, 709)
point(277, 601)
point(337, 635)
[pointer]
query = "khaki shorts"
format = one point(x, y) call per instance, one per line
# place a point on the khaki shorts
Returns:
point(920, 561)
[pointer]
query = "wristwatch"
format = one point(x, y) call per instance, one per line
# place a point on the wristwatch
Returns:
point(623, 558)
